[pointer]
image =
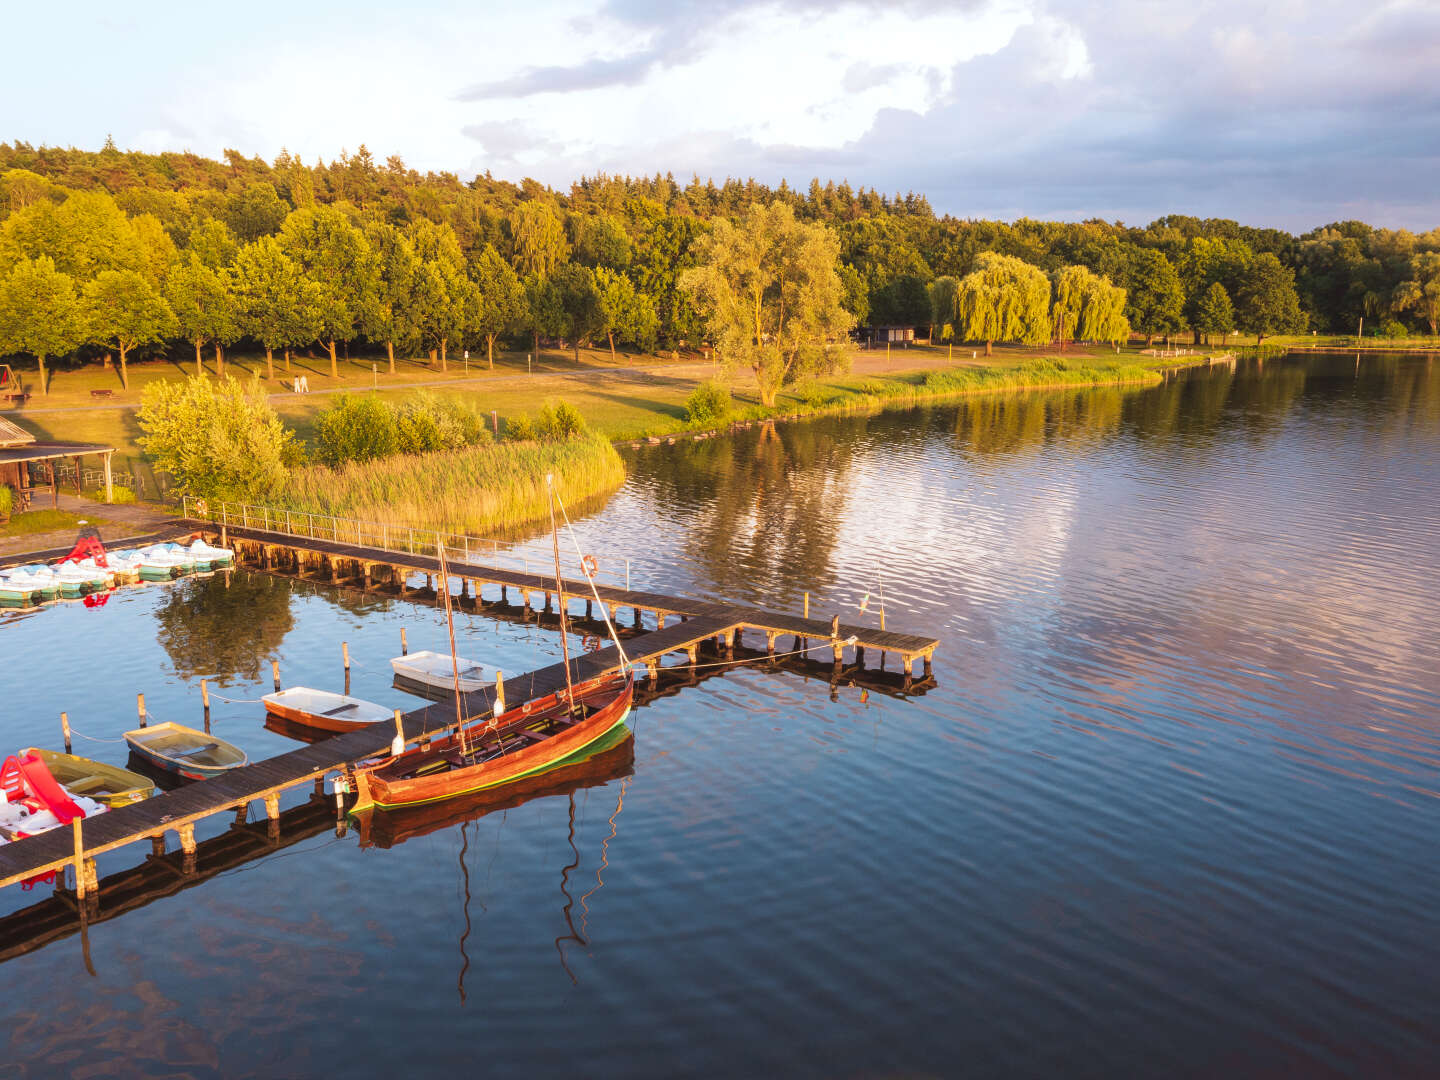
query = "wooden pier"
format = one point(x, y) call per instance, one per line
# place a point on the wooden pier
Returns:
point(699, 626)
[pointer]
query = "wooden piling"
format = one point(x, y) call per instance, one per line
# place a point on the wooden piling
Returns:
point(65, 727)
point(140, 708)
point(79, 858)
point(205, 700)
point(345, 653)
point(275, 674)
point(404, 643)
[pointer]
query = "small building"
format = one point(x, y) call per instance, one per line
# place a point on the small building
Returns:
point(19, 448)
point(881, 335)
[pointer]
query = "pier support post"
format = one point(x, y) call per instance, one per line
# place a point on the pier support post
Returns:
point(693, 652)
point(770, 636)
point(638, 614)
point(157, 845)
point(727, 641)
point(927, 664)
point(659, 620)
point(653, 668)
point(187, 838)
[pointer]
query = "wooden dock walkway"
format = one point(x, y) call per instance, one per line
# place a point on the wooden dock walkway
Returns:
point(385, 570)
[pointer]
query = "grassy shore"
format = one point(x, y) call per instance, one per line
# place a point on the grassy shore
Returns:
point(493, 489)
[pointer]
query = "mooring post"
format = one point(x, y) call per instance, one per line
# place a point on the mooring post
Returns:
point(397, 744)
point(65, 727)
point(345, 653)
point(499, 706)
point(627, 575)
point(205, 700)
point(837, 647)
point(79, 858)
point(404, 643)
point(275, 674)
point(140, 708)
point(807, 605)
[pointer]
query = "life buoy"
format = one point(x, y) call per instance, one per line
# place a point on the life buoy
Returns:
point(202, 508)
point(590, 566)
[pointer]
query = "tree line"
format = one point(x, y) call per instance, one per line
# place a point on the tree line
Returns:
point(112, 252)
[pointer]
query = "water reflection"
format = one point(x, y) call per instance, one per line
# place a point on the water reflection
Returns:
point(224, 625)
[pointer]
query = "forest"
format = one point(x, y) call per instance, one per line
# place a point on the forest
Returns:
point(124, 254)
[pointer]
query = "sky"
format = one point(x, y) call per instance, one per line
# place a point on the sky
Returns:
point(1285, 113)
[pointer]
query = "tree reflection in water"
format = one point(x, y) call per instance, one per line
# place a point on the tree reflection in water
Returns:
point(224, 625)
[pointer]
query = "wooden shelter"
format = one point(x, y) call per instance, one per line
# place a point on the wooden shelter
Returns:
point(18, 448)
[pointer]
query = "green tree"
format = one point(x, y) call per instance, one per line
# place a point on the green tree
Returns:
point(537, 240)
point(1267, 303)
point(944, 296)
point(1214, 313)
point(40, 313)
point(771, 293)
point(1003, 299)
point(356, 427)
point(624, 311)
point(445, 298)
point(501, 297)
point(544, 310)
point(255, 212)
point(581, 303)
point(337, 258)
point(1087, 307)
point(599, 240)
point(904, 301)
point(275, 302)
point(394, 316)
point(203, 300)
point(1154, 299)
point(856, 294)
point(219, 438)
point(123, 309)
point(1422, 292)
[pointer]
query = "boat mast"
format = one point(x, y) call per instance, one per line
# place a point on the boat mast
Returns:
point(560, 592)
point(454, 661)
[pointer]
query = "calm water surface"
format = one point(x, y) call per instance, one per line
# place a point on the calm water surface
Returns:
point(1170, 808)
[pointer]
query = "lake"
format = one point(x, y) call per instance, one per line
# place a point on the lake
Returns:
point(1169, 806)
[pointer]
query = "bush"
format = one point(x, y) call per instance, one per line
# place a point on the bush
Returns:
point(219, 438)
point(708, 403)
point(428, 422)
point(520, 428)
point(118, 494)
point(356, 428)
point(7, 500)
point(1392, 328)
point(559, 422)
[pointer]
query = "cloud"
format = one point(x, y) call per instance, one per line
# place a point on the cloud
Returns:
point(591, 75)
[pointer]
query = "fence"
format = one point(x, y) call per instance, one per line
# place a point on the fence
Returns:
point(94, 478)
point(382, 535)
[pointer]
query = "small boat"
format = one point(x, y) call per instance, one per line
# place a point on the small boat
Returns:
point(531, 739)
point(32, 801)
point(433, 671)
point(30, 584)
point(209, 558)
point(108, 784)
point(161, 562)
point(324, 710)
point(184, 751)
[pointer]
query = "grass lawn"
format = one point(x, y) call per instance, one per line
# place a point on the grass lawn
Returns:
point(38, 521)
point(632, 396)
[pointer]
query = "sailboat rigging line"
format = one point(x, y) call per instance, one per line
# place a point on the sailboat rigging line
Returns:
point(454, 662)
point(585, 568)
point(560, 595)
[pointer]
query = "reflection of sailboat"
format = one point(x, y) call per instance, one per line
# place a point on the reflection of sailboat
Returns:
point(608, 759)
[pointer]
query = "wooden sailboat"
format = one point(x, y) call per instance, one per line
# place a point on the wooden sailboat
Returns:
point(513, 745)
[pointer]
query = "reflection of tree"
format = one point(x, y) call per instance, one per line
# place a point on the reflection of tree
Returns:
point(211, 628)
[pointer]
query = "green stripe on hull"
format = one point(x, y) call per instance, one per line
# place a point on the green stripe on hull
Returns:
point(578, 754)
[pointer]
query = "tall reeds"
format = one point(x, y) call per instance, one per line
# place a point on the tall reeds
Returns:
point(492, 489)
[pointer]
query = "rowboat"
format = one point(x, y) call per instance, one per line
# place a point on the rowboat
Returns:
point(184, 751)
point(526, 741)
point(324, 710)
point(609, 758)
point(108, 784)
point(429, 672)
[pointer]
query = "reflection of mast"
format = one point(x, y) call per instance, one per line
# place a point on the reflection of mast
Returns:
point(465, 872)
point(604, 858)
point(569, 900)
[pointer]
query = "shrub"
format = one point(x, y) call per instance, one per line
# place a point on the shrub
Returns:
point(356, 428)
point(520, 428)
point(7, 500)
point(217, 437)
point(428, 422)
point(708, 403)
point(1392, 328)
point(559, 422)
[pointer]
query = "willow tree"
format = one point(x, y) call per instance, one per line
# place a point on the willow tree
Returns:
point(537, 240)
point(769, 288)
point(1087, 307)
point(1422, 292)
point(40, 313)
point(1003, 299)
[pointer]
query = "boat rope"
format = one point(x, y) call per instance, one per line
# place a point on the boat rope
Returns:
point(588, 568)
point(236, 700)
point(768, 656)
point(92, 738)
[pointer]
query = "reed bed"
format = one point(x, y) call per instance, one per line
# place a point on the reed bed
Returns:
point(492, 489)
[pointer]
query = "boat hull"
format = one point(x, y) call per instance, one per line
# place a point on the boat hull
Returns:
point(175, 761)
point(108, 784)
point(313, 720)
point(376, 790)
